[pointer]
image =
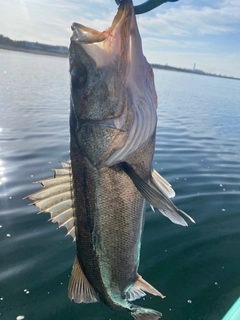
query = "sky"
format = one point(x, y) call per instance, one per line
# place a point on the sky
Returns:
point(179, 33)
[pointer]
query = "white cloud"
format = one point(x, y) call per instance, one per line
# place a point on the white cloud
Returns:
point(221, 63)
point(175, 34)
point(151, 44)
point(50, 21)
point(192, 20)
point(154, 43)
point(99, 1)
point(179, 36)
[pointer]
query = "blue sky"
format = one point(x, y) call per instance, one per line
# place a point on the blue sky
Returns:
point(179, 33)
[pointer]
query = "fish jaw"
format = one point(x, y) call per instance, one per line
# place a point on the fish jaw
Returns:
point(104, 47)
point(113, 98)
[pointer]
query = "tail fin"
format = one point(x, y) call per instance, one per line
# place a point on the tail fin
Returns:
point(145, 314)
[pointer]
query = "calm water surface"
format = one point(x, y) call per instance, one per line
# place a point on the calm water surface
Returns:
point(197, 151)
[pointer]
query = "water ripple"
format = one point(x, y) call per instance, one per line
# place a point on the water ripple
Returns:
point(197, 151)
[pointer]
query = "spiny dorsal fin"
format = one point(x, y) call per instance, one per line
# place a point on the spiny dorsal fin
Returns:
point(137, 290)
point(53, 181)
point(156, 198)
point(79, 288)
point(66, 164)
point(56, 197)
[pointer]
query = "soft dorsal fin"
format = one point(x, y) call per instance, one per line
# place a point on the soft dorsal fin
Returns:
point(137, 290)
point(156, 197)
point(57, 198)
point(79, 288)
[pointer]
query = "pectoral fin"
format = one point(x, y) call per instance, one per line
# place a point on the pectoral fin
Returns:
point(159, 183)
point(156, 197)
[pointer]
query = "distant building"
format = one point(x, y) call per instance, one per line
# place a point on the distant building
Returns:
point(199, 71)
point(46, 47)
point(60, 49)
point(33, 45)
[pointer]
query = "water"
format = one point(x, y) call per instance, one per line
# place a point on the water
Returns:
point(197, 151)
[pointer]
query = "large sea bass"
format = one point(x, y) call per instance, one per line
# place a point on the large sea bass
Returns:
point(99, 196)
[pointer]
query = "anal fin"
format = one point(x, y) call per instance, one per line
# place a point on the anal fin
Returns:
point(79, 288)
point(139, 288)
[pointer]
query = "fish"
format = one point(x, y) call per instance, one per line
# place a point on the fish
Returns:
point(100, 194)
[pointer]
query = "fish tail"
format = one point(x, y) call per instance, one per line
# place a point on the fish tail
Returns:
point(139, 313)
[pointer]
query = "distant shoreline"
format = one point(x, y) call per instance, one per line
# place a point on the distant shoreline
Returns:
point(154, 65)
point(191, 71)
point(46, 53)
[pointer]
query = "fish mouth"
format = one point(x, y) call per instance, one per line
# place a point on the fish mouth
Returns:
point(103, 47)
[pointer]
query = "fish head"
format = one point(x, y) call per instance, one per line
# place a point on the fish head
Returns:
point(111, 85)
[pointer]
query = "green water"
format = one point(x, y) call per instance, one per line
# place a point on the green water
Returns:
point(197, 151)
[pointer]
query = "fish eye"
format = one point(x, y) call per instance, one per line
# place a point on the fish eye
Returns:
point(79, 77)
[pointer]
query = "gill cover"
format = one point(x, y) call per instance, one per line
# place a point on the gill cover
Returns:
point(113, 98)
